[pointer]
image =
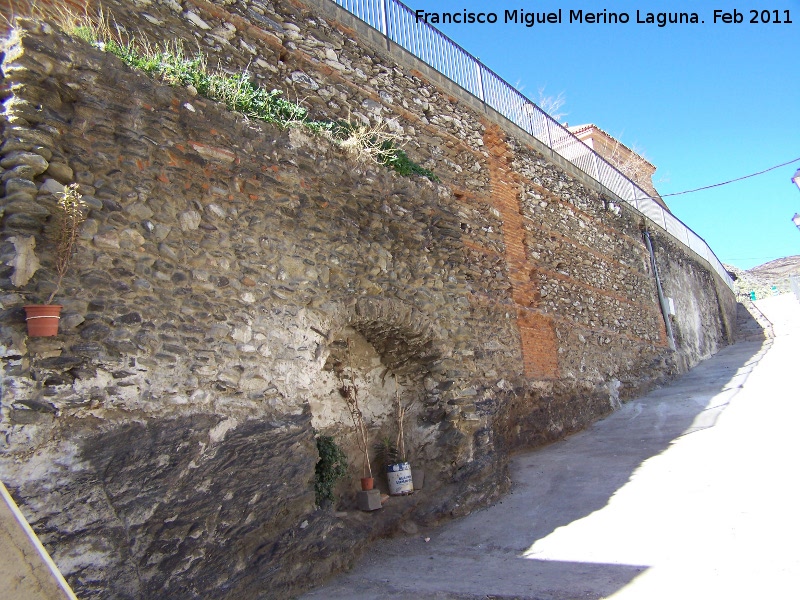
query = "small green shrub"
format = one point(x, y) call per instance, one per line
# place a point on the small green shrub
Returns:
point(386, 452)
point(331, 467)
point(396, 159)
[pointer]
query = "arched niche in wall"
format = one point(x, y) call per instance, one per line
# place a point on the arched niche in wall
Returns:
point(388, 350)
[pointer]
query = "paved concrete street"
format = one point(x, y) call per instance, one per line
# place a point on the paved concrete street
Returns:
point(689, 492)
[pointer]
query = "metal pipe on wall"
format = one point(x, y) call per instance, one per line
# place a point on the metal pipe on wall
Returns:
point(661, 299)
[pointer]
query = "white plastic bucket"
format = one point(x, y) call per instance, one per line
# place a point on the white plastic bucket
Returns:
point(400, 481)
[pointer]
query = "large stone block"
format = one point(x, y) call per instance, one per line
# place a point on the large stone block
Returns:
point(369, 500)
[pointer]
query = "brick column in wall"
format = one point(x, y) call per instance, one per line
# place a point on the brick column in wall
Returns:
point(537, 331)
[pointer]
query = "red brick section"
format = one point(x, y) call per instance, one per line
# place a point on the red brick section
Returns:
point(537, 331)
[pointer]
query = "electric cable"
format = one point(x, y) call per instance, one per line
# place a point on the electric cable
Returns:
point(731, 180)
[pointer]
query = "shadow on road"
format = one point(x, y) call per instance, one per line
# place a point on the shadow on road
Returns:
point(491, 553)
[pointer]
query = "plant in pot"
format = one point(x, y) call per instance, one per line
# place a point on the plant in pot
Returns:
point(393, 456)
point(42, 319)
point(349, 391)
point(386, 451)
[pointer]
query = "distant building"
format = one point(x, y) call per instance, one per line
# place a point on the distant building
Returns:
point(627, 161)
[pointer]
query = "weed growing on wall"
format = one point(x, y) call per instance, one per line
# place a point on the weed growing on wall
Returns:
point(171, 65)
point(399, 161)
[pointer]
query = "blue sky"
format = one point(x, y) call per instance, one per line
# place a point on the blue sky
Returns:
point(706, 103)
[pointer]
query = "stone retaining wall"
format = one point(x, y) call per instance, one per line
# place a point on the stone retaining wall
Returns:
point(162, 443)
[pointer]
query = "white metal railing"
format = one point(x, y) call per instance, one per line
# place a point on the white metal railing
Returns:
point(398, 23)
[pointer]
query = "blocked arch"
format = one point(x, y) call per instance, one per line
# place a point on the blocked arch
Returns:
point(392, 350)
point(407, 341)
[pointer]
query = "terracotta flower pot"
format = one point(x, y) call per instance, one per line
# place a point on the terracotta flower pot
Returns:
point(367, 483)
point(42, 319)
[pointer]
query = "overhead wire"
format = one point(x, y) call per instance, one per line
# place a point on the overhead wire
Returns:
point(707, 187)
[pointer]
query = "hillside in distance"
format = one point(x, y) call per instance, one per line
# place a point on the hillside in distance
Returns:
point(763, 277)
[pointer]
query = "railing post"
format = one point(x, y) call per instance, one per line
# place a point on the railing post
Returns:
point(480, 84)
point(549, 137)
point(529, 111)
point(384, 25)
point(596, 166)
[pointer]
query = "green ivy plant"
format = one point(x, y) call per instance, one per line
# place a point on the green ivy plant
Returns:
point(331, 467)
